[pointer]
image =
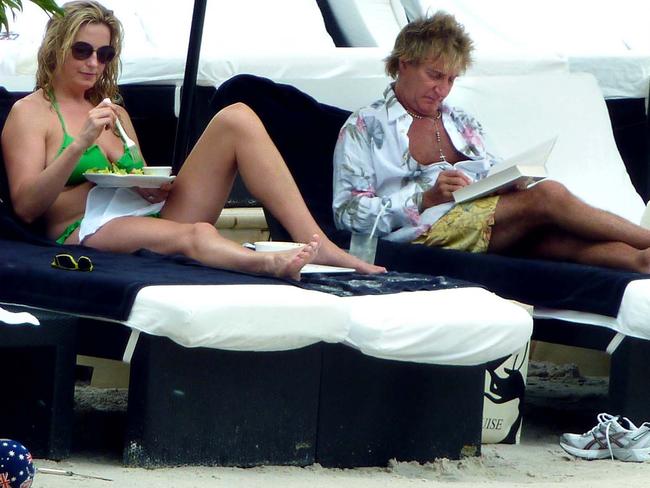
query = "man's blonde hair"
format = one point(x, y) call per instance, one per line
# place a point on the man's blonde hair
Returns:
point(440, 38)
point(59, 37)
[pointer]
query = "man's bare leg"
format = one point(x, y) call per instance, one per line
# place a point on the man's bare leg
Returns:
point(550, 204)
point(564, 247)
point(236, 140)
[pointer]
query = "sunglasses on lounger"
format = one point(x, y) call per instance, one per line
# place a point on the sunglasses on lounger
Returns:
point(82, 50)
point(68, 262)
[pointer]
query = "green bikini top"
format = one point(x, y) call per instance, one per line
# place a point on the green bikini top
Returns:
point(93, 157)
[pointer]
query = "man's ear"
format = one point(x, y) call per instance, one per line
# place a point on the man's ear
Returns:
point(403, 64)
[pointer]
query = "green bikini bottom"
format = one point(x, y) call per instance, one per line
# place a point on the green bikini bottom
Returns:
point(77, 223)
point(68, 230)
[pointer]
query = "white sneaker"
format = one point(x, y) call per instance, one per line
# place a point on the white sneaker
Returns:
point(614, 437)
point(637, 445)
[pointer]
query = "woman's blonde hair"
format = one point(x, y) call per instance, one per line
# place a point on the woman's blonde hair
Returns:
point(439, 37)
point(59, 36)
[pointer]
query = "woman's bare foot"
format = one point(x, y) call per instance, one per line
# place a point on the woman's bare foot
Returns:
point(287, 264)
point(333, 255)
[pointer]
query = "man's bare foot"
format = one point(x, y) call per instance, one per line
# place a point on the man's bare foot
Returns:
point(287, 264)
point(333, 255)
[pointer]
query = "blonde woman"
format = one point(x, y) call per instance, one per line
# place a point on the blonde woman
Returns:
point(65, 127)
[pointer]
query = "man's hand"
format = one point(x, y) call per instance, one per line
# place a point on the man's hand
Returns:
point(448, 182)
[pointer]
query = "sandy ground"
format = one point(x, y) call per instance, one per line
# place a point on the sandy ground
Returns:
point(556, 402)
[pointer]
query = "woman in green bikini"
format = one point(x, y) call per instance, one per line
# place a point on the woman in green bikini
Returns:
point(65, 127)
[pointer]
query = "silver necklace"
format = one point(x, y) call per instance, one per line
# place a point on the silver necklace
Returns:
point(435, 128)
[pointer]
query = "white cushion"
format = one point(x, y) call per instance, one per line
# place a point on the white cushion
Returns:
point(437, 327)
point(240, 317)
point(465, 326)
point(519, 111)
point(242, 25)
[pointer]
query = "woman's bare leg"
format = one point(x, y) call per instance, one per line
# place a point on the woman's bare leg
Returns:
point(236, 140)
point(200, 241)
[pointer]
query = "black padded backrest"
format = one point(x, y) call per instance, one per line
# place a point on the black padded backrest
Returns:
point(151, 108)
point(304, 131)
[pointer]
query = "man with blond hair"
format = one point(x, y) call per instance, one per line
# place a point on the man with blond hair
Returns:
point(394, 163)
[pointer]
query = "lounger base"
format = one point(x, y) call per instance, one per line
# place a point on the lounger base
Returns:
point(38, 378)
point(373, 410)
point(629, 382)
point(213, 407)
point(325, 403)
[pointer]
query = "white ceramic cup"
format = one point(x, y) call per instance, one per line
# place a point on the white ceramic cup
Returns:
point(157, 170)
point(364, 247)
point(274, 246)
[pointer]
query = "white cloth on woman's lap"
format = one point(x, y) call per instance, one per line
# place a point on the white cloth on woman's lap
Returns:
point(106, 204)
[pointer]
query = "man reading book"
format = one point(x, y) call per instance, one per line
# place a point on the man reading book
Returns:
point(409, 151)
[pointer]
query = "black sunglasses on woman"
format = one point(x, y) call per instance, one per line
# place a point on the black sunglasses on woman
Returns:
point(82, 50)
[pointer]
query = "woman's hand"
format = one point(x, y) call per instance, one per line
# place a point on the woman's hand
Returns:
point(102, 117)
point(155, 195)
point(448, 182)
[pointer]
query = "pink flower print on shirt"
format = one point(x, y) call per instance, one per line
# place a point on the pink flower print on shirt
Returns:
point(413, 215)
point(421, 229)
point(473, 138)
point(354, 129)
point(361, 125)
point(370, 193)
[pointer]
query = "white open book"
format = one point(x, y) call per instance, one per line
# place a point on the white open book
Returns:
point(514, 173)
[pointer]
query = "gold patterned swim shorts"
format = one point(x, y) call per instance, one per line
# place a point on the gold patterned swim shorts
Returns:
point(466, 227)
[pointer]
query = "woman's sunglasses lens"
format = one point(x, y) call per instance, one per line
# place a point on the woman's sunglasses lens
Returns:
point(81, 50)
point(105, 54)
point(64, 261)
point(84, 264)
